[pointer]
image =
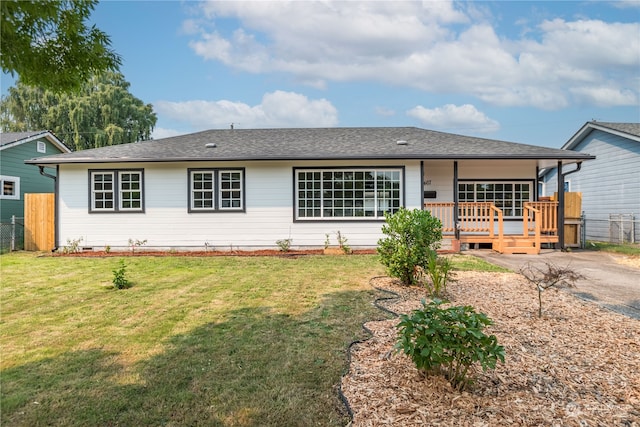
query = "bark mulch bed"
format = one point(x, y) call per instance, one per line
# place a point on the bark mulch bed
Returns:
point(578, 365)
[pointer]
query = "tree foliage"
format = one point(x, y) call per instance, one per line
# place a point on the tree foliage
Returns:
point(411, 237)
point(49, 45)
point(103, 113)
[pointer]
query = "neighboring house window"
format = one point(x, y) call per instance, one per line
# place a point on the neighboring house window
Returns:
point(117, 191)
point(508, 196)
point(216, 190)
point(10, 187)
point(347, 194)
point(42, 147)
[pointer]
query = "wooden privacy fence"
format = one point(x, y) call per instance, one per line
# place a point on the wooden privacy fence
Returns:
point(39, 221)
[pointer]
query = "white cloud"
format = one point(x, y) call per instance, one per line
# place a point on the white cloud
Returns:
point(434, 46)
point(277, 109)
point(159, 133)
point(453, 117)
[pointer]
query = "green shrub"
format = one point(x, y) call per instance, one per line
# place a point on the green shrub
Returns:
point(120, 280)
point(448, 340)
point(411, 237)
point(284, 244)
point(439, 273)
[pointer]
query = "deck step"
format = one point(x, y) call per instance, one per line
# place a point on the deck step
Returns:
point(530, 250)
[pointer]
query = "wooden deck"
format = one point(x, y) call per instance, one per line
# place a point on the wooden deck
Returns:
point(483, 222)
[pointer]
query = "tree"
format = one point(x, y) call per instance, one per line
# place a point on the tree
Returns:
point(49, 45)
point(102, 113)
point(552, 276)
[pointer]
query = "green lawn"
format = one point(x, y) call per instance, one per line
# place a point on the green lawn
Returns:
point(229, 341)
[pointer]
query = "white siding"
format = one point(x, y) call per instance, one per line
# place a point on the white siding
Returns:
point(166, 222)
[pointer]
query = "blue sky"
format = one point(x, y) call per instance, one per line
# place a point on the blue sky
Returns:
point(525, 71)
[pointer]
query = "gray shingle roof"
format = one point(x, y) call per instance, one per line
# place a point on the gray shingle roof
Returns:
point(10, 137)
point(630, 128)
point(312, 144)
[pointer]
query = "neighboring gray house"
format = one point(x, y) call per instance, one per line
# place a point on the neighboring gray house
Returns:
point(244, 189)
point(16, 177)
point(610, 186)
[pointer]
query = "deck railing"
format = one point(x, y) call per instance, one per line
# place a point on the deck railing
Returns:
point(547, 217)
point(473, 217)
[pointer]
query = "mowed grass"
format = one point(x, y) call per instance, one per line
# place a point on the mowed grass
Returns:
point(216, 341)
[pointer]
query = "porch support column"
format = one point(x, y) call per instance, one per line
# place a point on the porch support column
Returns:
point(455, 200)
point(560, 244)
point(536, 193)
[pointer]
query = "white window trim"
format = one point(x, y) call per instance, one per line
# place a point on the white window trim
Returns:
point(16, 187)
point(493, 182)
point(376, 192)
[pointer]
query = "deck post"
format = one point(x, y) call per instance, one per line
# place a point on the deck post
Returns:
point(456, 227)
point(560, 244)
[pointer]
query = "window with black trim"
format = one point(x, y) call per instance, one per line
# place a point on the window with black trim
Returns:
point(216, 190)
point(9, 187)
point(347, 193)
point(509, 196)
point(117, 190)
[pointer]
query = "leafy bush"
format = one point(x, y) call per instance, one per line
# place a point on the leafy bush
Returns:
point(120, 280)
point(439, 272)
point(448, 340)
point(411, 237)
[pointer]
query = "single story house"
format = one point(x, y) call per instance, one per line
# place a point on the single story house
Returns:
point(247, 189)
point(16, 177)
point(610, 186)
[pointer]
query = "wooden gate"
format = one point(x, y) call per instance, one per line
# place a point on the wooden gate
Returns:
point(39, 221)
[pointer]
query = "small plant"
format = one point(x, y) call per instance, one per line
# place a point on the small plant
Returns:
point(73, 246)
point(411, 237)
point(439, 273)
point(327, 240)
point(284, 244)
point(206, 246)
point(120, 280)
point(342, 242)
point(136, 244)
point(552, 276)
point(107, 249)
point(448, 341)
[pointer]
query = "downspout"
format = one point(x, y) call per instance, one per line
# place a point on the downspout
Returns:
point(561, 176)
point(56, 214)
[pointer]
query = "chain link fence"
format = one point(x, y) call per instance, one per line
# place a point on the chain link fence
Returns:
point(12, 235)
point(617, 228)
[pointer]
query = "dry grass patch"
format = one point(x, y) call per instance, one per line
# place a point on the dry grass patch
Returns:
point(575, 366)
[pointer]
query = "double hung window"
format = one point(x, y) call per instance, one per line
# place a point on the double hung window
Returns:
point(506, 195)
point(116, 190)
point(216, 190)
point(347, 193)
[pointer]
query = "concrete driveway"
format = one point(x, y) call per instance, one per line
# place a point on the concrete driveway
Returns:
point(607, 282)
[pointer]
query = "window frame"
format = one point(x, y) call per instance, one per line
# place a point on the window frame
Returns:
point(41, 147)
point(321, 205)
point(118, 198)
point(16, 187)
point(217, 202)
point(514, 191)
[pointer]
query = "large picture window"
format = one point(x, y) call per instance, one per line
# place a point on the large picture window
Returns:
point(347, 193)
point(508, 196)
point(216, 190)
point(116, 190)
